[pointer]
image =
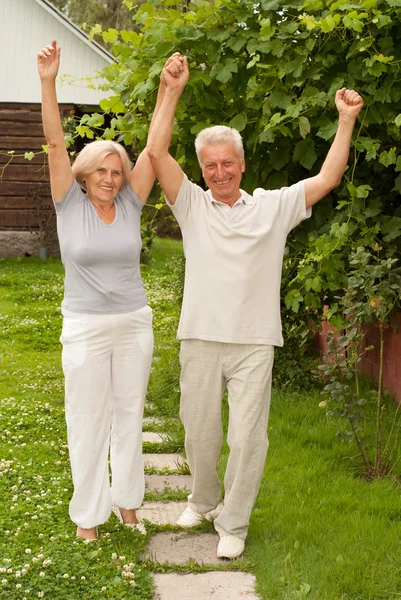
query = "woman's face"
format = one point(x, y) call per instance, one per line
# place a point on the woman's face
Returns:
point(103, 184)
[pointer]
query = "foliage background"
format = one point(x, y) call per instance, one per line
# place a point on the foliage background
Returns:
point(271, 70)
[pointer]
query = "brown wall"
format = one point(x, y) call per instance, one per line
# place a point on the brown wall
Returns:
point(370, 362)
point(21, 130)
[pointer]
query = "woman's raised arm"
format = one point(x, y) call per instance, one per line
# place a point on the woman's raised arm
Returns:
point(59, 162)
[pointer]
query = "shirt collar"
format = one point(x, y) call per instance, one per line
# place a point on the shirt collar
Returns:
point(243, 199)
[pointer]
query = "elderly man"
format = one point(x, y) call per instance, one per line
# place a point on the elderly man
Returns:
point(230, 320)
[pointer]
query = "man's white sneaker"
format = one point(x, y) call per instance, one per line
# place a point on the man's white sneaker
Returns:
point(192, 518)
point(214, 513)
point(230, 546)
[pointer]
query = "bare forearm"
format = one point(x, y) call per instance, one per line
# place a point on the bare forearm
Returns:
point(50, 115)
point(161, 130)
point(336, 161)
point(159, 100)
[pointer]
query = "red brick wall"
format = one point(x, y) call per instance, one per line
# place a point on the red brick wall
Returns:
point(370, 363)
point(392, 357)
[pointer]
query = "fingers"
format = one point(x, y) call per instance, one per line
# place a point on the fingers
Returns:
point(350, 97)
point(175, 65)
point(49, 50)
point(174, 68)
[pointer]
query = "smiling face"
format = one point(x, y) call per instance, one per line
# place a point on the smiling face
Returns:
point(104, 183)
point(222, 170)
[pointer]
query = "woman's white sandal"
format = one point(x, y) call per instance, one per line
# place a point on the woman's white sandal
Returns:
point(138, 526)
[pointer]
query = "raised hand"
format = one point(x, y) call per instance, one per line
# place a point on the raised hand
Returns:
point(175, 72)
point(49, 61)
point(349, 103)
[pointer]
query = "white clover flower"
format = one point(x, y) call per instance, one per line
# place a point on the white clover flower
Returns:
point(41, 594)
point(28, 551)
point(104, 588)
point(18, 586)
point(41, 574)
point(132, 583)
point(4, 581)
point(40, 536)
point(114, 556)
point(66, 576)
point(83, 577)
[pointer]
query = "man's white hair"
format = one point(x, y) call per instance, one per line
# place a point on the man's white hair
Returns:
point(216, 135)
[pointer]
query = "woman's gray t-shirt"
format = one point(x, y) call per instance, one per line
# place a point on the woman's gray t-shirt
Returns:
point(101, 260)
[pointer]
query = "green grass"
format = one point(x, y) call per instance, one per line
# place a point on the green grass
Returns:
point(318, 530)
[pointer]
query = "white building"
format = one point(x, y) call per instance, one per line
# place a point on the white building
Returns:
point(27, 26)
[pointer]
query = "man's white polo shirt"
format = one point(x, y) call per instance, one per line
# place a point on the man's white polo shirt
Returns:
point(234, 261)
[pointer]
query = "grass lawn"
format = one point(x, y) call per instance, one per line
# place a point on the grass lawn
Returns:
point(318, 531)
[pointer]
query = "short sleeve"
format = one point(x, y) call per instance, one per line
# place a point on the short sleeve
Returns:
point(293, 205)
point(73, 193)
point(129, 195)
point(187, 194)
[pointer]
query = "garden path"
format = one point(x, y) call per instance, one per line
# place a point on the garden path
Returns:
point(196, 550)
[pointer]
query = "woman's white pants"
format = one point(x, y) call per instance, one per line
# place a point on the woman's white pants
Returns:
point(106, 362)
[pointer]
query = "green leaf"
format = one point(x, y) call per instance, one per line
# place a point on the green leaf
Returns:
point(271, 4)
point(29, 155)
point(112, 104)
point(327, 131)
point(391, 227)
point(304, 126)
point(388, 158)
point(110, 36)
point(239, 122)
point(305, 154)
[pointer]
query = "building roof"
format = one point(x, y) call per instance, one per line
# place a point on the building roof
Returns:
point(31, 24)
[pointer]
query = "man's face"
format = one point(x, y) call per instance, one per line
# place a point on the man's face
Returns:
point(222, 170)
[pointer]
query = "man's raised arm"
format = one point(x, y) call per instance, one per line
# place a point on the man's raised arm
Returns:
point(167, 170)
point(349, 104)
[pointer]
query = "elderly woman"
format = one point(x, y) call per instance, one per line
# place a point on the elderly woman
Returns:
point(107, 325)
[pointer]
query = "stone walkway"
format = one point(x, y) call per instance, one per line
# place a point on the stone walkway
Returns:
point(183, 547)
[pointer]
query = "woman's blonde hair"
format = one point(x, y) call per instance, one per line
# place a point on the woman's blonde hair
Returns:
point(91, 157)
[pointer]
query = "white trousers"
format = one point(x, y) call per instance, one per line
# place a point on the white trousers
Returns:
point(207, 368)
point(106, 362)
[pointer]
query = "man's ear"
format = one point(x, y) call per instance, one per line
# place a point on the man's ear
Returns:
point(242, 165)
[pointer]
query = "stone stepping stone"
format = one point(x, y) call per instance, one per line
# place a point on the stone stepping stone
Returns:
point(153, 421)
point(180, 548)
point(151, 436)
point(161, 513)
point(224, 585)
point(157, 483)
point(162, 461)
